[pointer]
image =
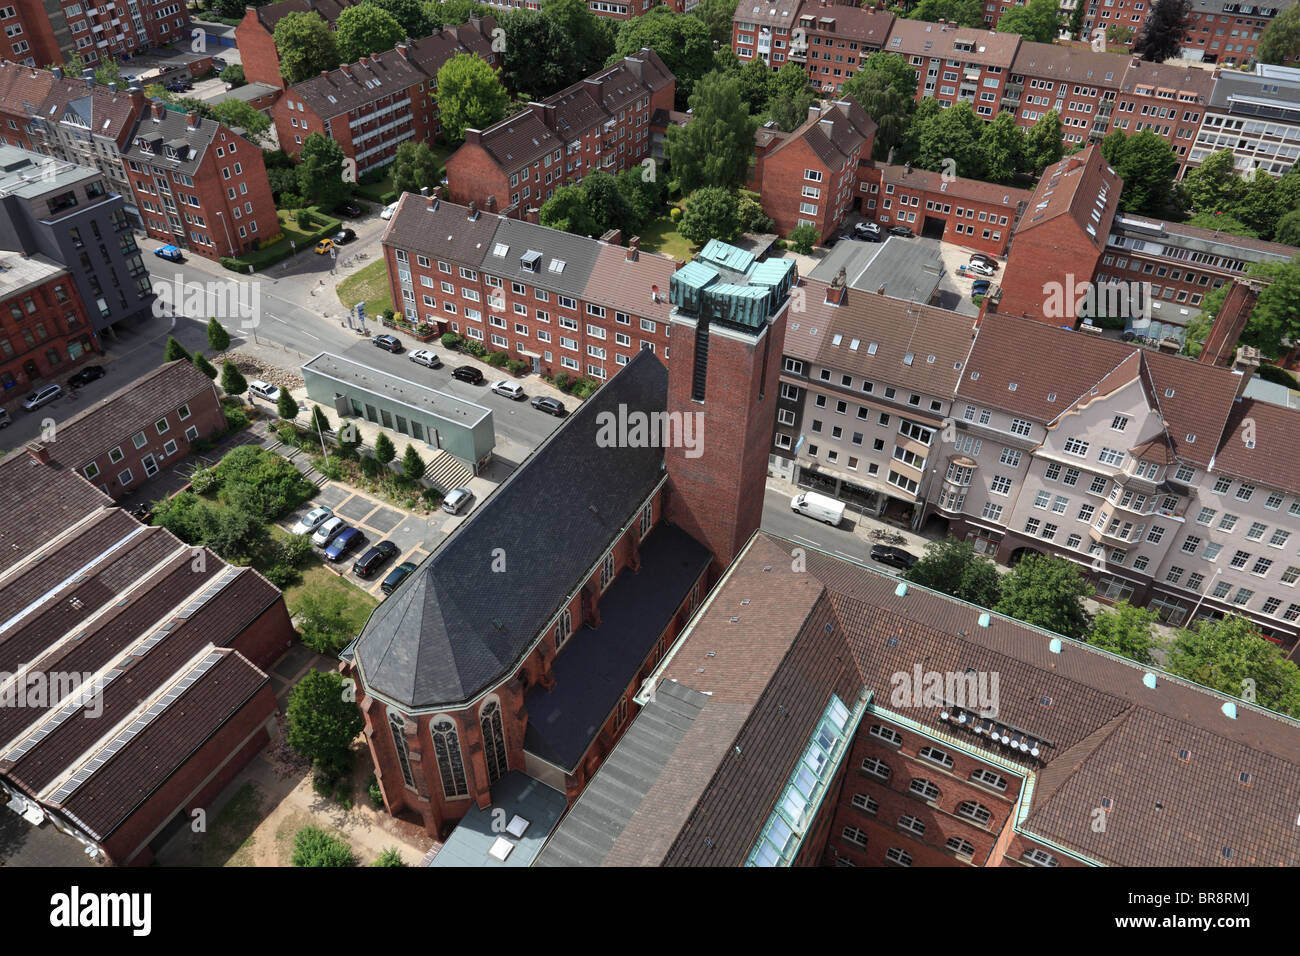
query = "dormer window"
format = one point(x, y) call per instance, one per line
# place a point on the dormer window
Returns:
point(531, 260)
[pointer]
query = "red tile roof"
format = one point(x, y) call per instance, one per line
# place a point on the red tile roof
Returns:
point(1078, 186)
point(1259, 444)
point(974, 190)
point(919, 38)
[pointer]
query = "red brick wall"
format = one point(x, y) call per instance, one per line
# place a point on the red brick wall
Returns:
point(257, 52)
point(198, 780)
point(473, 175)
point(931, 204)
point(1048, 253)
point(267, 637)
point(60, 322)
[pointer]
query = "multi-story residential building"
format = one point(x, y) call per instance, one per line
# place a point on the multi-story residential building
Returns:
point(1256, 115)
point(22, 89)
point(765, 31)
point(564, 302)
point(1167, 100)
point(1105, 14)
point(831, 41)
point(146, 426)
point(601, 123)
point(1227, 33)
point(1059, 240)
point(374, 105)
point(791, 725)
point(67, 214)
point(44, 328)
point(956, 64)
point(866, 385)
point(199, 185)
point(611, 9)
point(255, 35)
point(823, 156)
point(967, 212)
point(37, 32)
point(1078, 82)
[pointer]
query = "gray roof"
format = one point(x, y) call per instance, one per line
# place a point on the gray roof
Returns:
point(29, 175)
point(1237, 86)
point(428, 400)
point(172, 127)
point(452, 630)
point(515, 794)
point(615, 794)
point(907, 268)
point(574, 255)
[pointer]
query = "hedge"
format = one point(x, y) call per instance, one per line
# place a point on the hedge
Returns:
point(269, 255)
point(1279, 376)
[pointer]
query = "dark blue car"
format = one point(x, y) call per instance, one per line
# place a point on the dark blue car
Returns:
point(171, 253)
point(347, 540)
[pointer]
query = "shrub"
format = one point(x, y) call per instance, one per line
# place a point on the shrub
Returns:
point(1278, 375)
point(218, 337)
point(518, 366)
point(497, 359)
point(332, 471)
point(390, 857)
point(431, 497)
point(204, 481)
point(232, 380)
point(174, 350)
point(583, 388)
point(450, 340)
point(312, 846)
point(204, 366)
point(236, 418)
point(474, 349)
point(372, 788)
point(372, 469)
point(412, 464)
point(260, 483)
point(385, 451)
point(675, 214)
point(306, 219)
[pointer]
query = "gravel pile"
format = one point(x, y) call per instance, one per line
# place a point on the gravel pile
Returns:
point(252, 368)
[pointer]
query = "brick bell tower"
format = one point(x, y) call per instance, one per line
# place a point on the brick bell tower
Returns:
point(727, 332)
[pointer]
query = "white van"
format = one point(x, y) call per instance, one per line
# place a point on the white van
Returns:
point(818, 506)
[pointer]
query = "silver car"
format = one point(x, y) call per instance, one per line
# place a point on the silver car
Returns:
point(42, 396)
point(426, 358)
point(457, 501)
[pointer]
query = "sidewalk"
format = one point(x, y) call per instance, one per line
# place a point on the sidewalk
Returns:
point(862, 525)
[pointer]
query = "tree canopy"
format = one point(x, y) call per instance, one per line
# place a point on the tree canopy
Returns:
point(320, 171)
point(1229, 656)
point(1125, 630)
point(1281, 39)
point(1163, 30)
point(414, 168)
point(365, 29)
point(1147, 164)
point(715, 147)
point(323, 721)
point(952, 567)
point(1037, 20)
point(885, 86)
point(682, 42)
point(711, 213)
point(1047, 592)
point(306, 46)
point(469, 96)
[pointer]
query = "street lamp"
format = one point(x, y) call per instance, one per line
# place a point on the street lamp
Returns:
point(1217, 572)
point(229, 245)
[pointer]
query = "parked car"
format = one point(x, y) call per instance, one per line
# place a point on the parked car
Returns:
point(457, 501)
point(468, 373)
point(42, 396)
point(170, 253)
point(85, 376)
point(219, 63)
point(987, 260)
point(349, 209)
point(345, 541)
point(264, 390)
point(980, 287)
point(979, 268)
point(509, 389)
point(324, 246)
point(326, 531)
point(426, 358)
point(396, 577)
point(901, 231)
point(388, 211)
point(311, 520)
point(894, 557)
point(5, 420)
point(818, 506)
point(180, 86)
point(343, 237)
point(389, 343)
point(867, 230)
point(375, 558)
point(552, 406)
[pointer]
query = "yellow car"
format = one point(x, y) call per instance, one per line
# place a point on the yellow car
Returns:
point(324, 246)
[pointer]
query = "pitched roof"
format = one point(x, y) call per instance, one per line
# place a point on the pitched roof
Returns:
point(959, 188)
point(1259, 444)
point(917, 37)
point(1205, 240)
point(448, 632)
point(1167, 77)
point(440, 228)
point(173, 130)
point(1053, 61)
point(834, 133)
point(23, 88)
point(870, 26)
point(1194, 399)
point(641, 285)
point(1082, 187)
point(271, 14)
point(52, 498)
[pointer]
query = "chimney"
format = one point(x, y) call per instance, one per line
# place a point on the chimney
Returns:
point(158, 109)
point(364, 61)
point(814, 112)
point(424, 190)
point(192, 119)
point(907, 168)
point(112, 87)
point(1246, 365)
point(345, 67)
point(836, 291)
point(633, 249)
point(828, 126)
point(490, 204)
point(434, 195)
point(474, 136)
point(473, 211)
point(326, 74)
point(401, 51)
point(137, 99)
point(57, 73)
point(880, 289)
point(89, 76)
point(612, 237)
point(39, 452)
point(546, 113)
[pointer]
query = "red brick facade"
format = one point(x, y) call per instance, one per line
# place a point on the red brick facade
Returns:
point(97, 32)
point(257, 52)
point(45, 331)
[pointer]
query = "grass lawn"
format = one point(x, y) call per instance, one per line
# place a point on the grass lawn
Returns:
point(662, 236)
point(229, 839)
point(368, 285)
point(376, 190)
point(316, 576)
point(281, 249)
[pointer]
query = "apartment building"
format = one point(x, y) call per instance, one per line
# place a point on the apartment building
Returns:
point(1104, 14)
point(956, 64)
point(1227, 33)
point(1076, 81)
point(374, 105)
point(1169, 101)
point(1256, 115)
point(1059, 240)
point(603, 122)
point(766, 31)
point(44, 328)
point(67, 214)
point(967, 212)
point(866, 385)
point(255, 35)
point(564, 302)
point(38, 32)
point(199, 185)
point(824, 156)
point(831, 41)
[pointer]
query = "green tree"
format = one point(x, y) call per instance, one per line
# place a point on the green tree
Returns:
point(1211, 187)
point(1288, 228)
point(950, 142)
point(1125, 630)
point(1164, 30)
point(174, 350)
point(1037, 20)
point(539, 56)
point(232, 382)
point(306, 46)
point(711, 213)
point(803, 238)
point(606, 202)
point(109, 71)
point(324, 619)
point(885, 86)
point(414, 19)
point(415, 167)
point(412, 464)
point(1276, 316)
point(1229, 656)
point(1222, 223)
point(952, 567)
point(644, 193)
point(233, 74)
point(469, 96)
point(233, 534)
point(755, 84)
point(349, 441)
point(1047, 592)
point(453, 12)
point(1262, 204)
point(1147, 164)
point(715, 147)
point(320, 171)
point(236, 114)
point(1076, 22)
point(319, 420)
point(1120, 33)
point(682, 42)
point(204, 366)
point(384, 449)
point(1281, 39)
point(312, 846)
point(788, 112)
point(716, 15)
point(390, 857)
point(567, 211)
point(323, 721)
point(967, 13)
point(592, 36)
point(365, 29)
point(1002, 147)
point(1043, 143)
point(218, 337)
point(286, 405)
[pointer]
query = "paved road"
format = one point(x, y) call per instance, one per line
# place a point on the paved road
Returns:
point(844, 540)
